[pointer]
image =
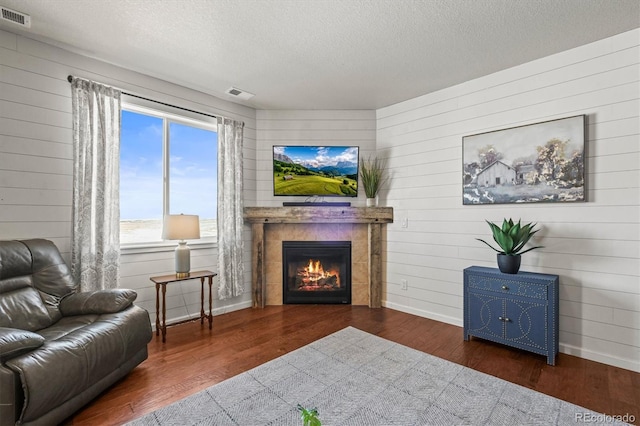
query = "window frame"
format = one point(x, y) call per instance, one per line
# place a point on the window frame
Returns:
point(168, 115)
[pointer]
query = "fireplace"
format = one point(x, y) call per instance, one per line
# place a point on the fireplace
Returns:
point(316, 272)
point(363, 226)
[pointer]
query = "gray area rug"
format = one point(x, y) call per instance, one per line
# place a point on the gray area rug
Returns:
point(355, 378)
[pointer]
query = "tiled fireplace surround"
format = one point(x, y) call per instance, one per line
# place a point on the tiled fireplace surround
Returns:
point(362, 226)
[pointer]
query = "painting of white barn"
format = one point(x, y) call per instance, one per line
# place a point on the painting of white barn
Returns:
point(541, 162)
point(496, 174)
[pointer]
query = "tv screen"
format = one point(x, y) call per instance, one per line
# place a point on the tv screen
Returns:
point(323, 171)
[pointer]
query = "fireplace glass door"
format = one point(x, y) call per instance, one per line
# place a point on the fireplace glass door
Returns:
point(316, 272)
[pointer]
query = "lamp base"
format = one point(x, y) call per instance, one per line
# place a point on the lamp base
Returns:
point(183, 259)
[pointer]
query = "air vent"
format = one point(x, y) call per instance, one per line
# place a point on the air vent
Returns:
point(18, 18)
point(239, 93)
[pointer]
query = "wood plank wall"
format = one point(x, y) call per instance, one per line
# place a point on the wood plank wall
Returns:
point(593, 246)
point(36, 160)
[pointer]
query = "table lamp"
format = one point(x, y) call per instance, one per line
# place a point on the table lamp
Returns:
point(181, 227)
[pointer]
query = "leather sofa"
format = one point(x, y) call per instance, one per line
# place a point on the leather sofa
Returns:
point(60, 348)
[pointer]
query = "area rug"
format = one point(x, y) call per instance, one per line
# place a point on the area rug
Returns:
point(355, 378)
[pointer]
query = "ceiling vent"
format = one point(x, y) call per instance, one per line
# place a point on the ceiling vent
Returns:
point(239, 93)
point(19, 18)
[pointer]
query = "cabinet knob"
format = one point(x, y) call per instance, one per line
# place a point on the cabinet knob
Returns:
point(504, 287)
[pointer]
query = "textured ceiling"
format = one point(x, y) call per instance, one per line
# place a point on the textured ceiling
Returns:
point(322, 54)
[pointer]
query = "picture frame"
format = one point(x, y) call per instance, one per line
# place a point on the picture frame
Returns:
point(533, 163)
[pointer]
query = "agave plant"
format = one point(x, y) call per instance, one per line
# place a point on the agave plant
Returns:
point(511, 237)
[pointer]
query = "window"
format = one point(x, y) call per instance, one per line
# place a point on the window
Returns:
point(168, 165)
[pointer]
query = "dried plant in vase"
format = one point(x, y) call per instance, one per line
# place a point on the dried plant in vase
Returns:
point(373, 175)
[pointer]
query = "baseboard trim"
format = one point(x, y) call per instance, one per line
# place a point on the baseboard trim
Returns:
point(627, 364)
point(422, 313)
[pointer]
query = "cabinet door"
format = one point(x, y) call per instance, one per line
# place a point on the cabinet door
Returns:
point(484, 313)
point(526, 324)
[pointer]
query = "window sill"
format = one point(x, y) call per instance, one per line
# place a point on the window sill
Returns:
point(165, 246)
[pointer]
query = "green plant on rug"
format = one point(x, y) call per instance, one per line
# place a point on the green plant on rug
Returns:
point(309, 416)
point(511, 238)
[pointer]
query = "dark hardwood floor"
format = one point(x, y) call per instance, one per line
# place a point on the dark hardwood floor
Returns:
point(194, 358)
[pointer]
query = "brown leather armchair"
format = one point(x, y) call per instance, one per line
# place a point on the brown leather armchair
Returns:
point(59, 348)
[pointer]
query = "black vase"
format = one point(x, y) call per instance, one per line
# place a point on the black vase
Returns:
point(509, 264)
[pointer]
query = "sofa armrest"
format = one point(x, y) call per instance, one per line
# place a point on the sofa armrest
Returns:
point(97, 302)
point(10, 396)
point(14, 342)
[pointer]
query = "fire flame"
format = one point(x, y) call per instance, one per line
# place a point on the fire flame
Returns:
point(315, 268)
point(314, 275)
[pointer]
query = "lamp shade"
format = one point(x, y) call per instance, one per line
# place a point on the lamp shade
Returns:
point(181, 227)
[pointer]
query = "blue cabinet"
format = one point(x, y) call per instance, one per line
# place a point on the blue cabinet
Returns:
point(519, 310)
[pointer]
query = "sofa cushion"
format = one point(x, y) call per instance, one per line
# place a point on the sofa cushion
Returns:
point(15, 342)
point(15, 260)
point(23, 308)
point(37, 265)
point(51, 275)
point(97, 302)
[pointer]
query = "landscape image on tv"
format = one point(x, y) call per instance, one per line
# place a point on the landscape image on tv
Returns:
point(315, 171)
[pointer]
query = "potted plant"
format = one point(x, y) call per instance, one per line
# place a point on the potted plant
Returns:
point(372, 174)
point(511, 238)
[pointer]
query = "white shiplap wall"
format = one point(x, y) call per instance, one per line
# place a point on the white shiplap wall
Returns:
point(594, 247)
point(309, 127)
point(36, 160)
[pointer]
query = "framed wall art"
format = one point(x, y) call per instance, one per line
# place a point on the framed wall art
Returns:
point(541, 162)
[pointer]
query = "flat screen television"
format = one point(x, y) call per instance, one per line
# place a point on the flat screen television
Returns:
point(320, 171)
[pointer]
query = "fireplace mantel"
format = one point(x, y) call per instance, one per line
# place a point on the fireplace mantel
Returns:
point(374, 217)
point(318, 214)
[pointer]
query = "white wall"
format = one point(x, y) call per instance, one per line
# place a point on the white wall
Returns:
point(309, 127)
point(36, 160)
point(594, 247)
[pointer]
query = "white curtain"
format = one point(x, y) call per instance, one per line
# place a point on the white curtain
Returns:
point(230, 214)
point(95, 246)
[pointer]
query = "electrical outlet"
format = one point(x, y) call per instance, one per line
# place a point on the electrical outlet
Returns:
point(405, 284)
point(405, 222)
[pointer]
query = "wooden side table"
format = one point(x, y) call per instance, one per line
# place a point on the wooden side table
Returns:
point(163, 280)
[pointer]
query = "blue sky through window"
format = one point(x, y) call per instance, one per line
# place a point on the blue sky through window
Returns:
point(192, 165)
point(140, 167)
